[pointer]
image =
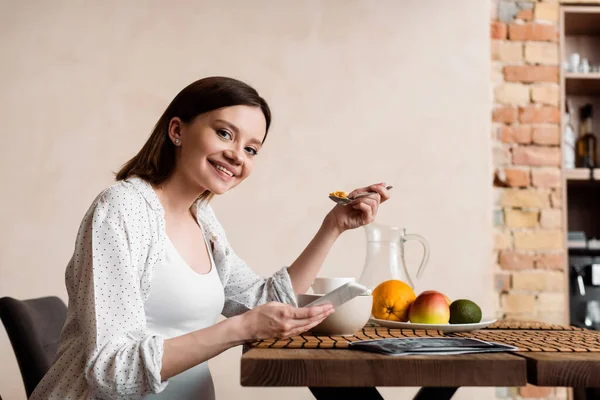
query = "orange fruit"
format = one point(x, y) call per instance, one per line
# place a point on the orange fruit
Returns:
point(391, 300)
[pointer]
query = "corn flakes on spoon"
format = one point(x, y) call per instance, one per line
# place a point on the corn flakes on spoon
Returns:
point(343, 199)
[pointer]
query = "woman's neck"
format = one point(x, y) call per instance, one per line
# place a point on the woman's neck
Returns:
point(176, 195)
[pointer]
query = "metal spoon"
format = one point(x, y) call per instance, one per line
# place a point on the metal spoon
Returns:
point(345, 200)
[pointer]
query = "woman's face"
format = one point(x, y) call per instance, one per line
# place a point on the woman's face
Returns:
point(216, 150)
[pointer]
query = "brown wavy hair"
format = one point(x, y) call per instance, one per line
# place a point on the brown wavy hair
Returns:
point(155, 162)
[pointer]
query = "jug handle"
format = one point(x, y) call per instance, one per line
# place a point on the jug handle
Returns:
point(421, 239)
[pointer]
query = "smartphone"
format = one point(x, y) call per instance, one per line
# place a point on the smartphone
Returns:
point(341, 295)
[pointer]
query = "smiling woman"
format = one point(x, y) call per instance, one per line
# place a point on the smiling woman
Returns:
point(215, 104)
point(152, 268)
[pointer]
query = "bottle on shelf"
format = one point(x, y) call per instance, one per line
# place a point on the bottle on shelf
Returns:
point(568, 140)
point(587, 154)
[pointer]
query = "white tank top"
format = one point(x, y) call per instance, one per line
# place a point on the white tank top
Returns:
point(181, 301)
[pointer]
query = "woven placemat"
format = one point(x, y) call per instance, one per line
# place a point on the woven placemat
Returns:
point(541, 340)
point(310, 341)
point(531, 325)
point(535, 340)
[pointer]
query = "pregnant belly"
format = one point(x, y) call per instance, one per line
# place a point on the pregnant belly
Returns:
point(195, 383)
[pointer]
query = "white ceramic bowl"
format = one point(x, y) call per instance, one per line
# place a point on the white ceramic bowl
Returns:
point(347, 319)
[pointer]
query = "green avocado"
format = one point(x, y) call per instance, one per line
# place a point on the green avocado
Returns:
point(464, 312)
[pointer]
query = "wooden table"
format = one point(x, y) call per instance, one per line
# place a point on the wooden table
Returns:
point(339, 373)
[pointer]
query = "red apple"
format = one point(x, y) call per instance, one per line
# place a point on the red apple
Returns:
point(435, 291)
point(430, 307)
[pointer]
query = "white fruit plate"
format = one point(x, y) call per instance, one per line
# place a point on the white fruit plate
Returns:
point(446, 328)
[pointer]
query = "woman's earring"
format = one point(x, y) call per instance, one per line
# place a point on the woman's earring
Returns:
point(176, 142)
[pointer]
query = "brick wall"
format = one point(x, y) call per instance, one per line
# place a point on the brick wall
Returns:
point(529, 239)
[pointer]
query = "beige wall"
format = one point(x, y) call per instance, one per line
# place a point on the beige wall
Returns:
point(362, 91)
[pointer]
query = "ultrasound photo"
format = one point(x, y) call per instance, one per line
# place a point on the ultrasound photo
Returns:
point(447, 345)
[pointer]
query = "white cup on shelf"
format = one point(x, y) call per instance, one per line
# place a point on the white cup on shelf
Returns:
point(574, 60)
point(585, 66)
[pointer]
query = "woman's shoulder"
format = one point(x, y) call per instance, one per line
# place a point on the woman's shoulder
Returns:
point(126, 198)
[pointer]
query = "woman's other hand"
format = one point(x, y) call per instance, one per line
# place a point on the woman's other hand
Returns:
point(278, 320)
point(359, 212)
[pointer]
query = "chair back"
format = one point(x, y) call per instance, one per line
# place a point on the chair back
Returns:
point(33, 327)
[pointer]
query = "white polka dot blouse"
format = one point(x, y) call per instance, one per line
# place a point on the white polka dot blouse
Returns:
point(105, 350)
